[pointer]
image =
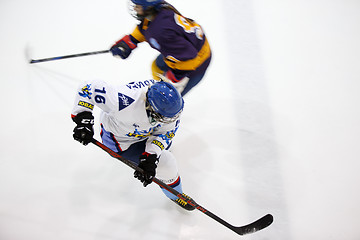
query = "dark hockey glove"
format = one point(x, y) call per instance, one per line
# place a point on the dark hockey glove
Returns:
point(148, 163)
point(84, 131)
point(124, 46)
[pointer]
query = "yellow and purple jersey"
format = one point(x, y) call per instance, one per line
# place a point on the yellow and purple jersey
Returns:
point(182, 42)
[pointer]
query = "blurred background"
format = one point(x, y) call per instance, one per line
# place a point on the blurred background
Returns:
point(272, 128)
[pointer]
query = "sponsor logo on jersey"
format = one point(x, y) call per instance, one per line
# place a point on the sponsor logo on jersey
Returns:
point(140, 84)
point(168, 136)
point(86, 105)
point(124, 101)
point(85, 91)
point(142, 133)
point(159, 144)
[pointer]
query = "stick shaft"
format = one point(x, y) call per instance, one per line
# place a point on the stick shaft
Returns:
point(68, 56)
point(252, 227)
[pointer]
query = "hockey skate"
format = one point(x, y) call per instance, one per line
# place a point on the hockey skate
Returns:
point(183, 203)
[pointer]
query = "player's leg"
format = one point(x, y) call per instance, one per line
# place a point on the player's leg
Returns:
point(167, 172)
point(132, 153)
point(196, 76)
point(158, 67)
point(109, 140)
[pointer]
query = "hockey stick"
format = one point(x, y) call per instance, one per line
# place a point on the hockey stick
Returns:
point(67, 56)
point(259, 224)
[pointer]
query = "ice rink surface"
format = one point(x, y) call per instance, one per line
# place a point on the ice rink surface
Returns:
point(274, 127)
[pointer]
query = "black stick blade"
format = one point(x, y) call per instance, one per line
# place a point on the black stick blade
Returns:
point(259, 224)
point(246, 229)
point(34, 61)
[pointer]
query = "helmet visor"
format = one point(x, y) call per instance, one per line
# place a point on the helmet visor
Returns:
point(158, 117)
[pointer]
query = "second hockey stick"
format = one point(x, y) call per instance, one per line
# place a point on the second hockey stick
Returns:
point(67, 56)
point(255, 226)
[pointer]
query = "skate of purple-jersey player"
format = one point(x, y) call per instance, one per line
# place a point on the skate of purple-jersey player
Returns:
point(185, 52)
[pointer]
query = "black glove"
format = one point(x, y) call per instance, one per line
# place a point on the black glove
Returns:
point(84, 131)
point(148, 163)
point(124, 46)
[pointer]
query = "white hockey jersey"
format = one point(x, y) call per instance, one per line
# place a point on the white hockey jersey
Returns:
point(124, 114)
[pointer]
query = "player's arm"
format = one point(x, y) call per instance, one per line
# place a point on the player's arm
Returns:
point(162, 138)
point(155, 145)
point(123, 47)
point(88, 96)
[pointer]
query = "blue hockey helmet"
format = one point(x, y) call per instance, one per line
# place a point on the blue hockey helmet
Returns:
point(164, 102)
point(147, 3)
point(149, 8)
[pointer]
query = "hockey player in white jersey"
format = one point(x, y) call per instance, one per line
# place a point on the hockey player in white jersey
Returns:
point(138, 121)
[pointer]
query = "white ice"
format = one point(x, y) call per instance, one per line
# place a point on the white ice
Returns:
point(274, 127)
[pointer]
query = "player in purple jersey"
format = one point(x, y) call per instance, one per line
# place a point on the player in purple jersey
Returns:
point(185, 53)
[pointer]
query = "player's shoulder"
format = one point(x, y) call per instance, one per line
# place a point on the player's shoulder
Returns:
point(164, 19)
point(133, 92)
point(166, 13)
point(139, 85)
